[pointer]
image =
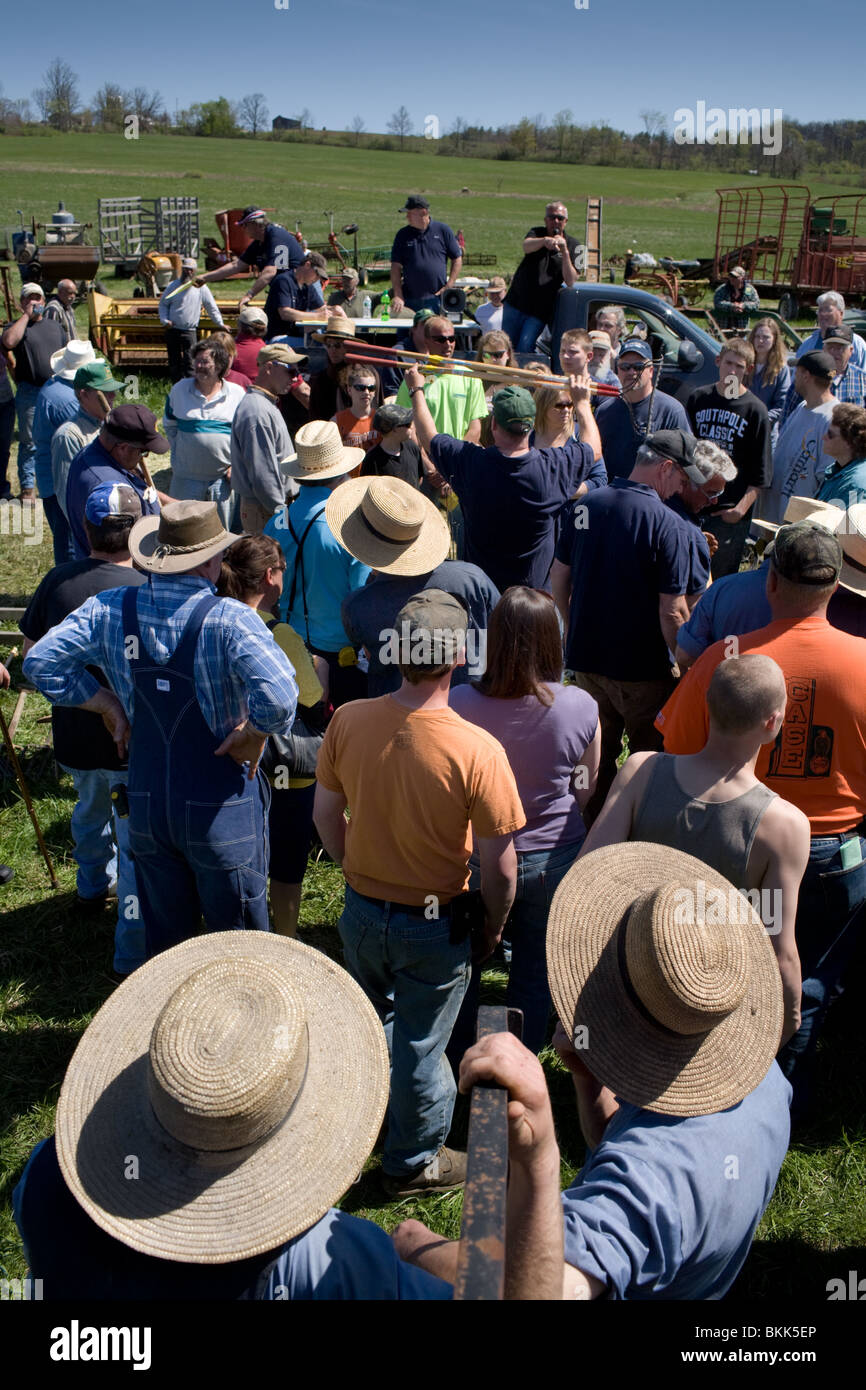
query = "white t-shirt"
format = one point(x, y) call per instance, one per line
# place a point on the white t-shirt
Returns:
point(489, 316)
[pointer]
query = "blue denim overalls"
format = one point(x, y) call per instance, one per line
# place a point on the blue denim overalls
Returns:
point(198, 829)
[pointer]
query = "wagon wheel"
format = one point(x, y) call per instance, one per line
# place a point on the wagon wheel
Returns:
point(789, 306)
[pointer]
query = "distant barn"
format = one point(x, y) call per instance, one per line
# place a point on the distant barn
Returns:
point(285, 123)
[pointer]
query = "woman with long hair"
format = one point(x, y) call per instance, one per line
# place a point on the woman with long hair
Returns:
point(252, 573)
point(845, 442)
point(554, 417)
point(771, 375)
point(550, 733)
point(496, 349)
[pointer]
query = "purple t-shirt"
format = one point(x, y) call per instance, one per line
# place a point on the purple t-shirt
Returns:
point(544, 744)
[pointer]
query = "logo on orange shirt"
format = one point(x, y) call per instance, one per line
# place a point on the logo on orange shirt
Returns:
point(803, 749)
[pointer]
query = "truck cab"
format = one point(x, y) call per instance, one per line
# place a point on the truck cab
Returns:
point(688, 354)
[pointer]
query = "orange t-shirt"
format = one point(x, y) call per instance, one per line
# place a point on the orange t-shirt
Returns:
point(818, 762)
point(357, 432)
point(417, 782)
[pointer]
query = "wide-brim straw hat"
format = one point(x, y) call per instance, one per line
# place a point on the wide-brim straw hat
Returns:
point(338, 327)
point(665, 979)
point(849, 528)
point(247, 1076)
point(66, 360)
point(387, 524)
point(182, 536)
point(320, 453)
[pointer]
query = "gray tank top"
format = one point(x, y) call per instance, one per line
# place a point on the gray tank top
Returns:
point(718, 833)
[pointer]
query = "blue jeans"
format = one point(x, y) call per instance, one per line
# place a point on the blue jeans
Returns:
point(415, 980)
point(7, 427)
point(25, 409)
point(60, 533)
point(522, 329)
point(539, 874)
point(429, 301)
point(217, 490)
point(829, 921)
point(102, 854)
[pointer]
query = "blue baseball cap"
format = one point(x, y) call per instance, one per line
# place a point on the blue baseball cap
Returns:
point(637, 345)
point(111, 499)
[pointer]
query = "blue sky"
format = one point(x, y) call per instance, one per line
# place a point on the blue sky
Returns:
point(488, 61)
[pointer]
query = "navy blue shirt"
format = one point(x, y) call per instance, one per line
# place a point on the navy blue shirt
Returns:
point(424, 257)
point(285, 293)
point(511, 505)
point(94, 465)
point(697, 542)
point(266, 252)
point(621, 439)
point(625, 548)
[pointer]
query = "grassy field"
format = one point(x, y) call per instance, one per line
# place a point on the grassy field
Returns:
point(55, 964)
point(649, 209)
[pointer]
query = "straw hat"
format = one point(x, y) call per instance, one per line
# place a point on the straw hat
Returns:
point(337, 327)
point(247, 1074)
point(182, 536)
point(849, 528)
point(66, 360)
point(388, 525)
point(670, 973)
point(321, 453)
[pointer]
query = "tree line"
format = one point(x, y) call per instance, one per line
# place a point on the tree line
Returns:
point(837, 147)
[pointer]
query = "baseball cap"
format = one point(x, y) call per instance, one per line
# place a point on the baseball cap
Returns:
point(31, 291)
point(96, 376)
point(678, 445)
point(250, 316)
point(414, 201)
point(438, 617)
point(738, 271)
point(111, 499)
point(189, 263)
point(807, 553)
point(819, 364)
point(513, 405)
point(391, 417)
point(637, 345)
point(135, 424)
point(252, 213)
point(841, 334)
point(349, 273)
point(278, 352)
point(422, 316)
point(496, 282)
point(599, 338)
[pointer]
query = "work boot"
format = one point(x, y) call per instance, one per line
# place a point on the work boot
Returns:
point(446, 1169)
point(6, 874)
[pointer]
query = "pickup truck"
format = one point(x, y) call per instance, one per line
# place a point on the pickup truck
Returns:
point(688, 353)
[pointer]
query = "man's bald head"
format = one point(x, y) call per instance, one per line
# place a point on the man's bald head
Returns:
point(744, 693)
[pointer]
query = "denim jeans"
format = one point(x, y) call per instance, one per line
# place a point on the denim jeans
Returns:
point(217, 490)
point(539, 874)
point(7, 427)
point(829, 921)
point(429, 301)
point(60, 533)
point(25, 409)
point(415, 980)
point(522, 329)
point(102, 854)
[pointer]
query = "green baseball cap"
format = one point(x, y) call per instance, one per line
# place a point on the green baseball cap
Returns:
point(96, 376)
point(514, 409)
point(806, 553)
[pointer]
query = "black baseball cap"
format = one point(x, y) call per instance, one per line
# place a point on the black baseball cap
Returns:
point(806, 553)
point(841, 334)
point(819, 364)
point(674, 444)
point(135, 424)
point(414, 201)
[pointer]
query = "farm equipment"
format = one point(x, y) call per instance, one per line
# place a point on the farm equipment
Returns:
point(132, 228)
point(235, 240)
point(791, 246)
point(128, 332)
point(60, 253)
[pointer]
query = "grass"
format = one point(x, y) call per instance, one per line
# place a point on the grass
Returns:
point(54, 975)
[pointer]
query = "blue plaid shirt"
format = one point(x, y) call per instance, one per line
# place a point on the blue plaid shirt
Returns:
point(239, 670)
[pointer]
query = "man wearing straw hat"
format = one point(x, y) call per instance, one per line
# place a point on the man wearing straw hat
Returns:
point(195, 691)
point(387, 524)
point(320, 573)
point(219, 1104)
point(817, 761)
point(670, 1009)
point(419, 781)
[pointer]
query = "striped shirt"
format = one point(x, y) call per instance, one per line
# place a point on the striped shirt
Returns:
point(200, 430)
point(239, 670)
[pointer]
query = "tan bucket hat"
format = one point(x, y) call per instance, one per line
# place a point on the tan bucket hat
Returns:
point(248, 1076)
point(387, 524)
point(338, 327)
point(849, 528)
point(664, 977)
point(183, 535)
point(321, 453)
point(66, 360)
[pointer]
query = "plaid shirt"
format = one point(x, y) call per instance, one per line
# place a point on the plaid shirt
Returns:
point(239, 670)
point(850, 387)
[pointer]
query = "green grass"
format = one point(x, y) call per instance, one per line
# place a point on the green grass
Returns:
point(54, 974)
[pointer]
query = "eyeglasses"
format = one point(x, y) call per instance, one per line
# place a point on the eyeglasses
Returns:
point(441, 338)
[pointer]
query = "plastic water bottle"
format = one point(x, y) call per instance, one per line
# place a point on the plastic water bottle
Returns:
point(368, 307)
point(385, 305)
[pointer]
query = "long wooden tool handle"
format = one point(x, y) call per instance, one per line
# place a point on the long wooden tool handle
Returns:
point(16, 767)
point(481, 1262)
point(145, 471)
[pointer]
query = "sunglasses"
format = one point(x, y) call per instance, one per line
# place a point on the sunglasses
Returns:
point(636, 367)
point(440, 338)
point(562, 405)
point(371, 390)
point(556, 216)
point(488, 356)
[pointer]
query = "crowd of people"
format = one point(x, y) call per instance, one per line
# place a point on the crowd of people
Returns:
point(504, 651)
